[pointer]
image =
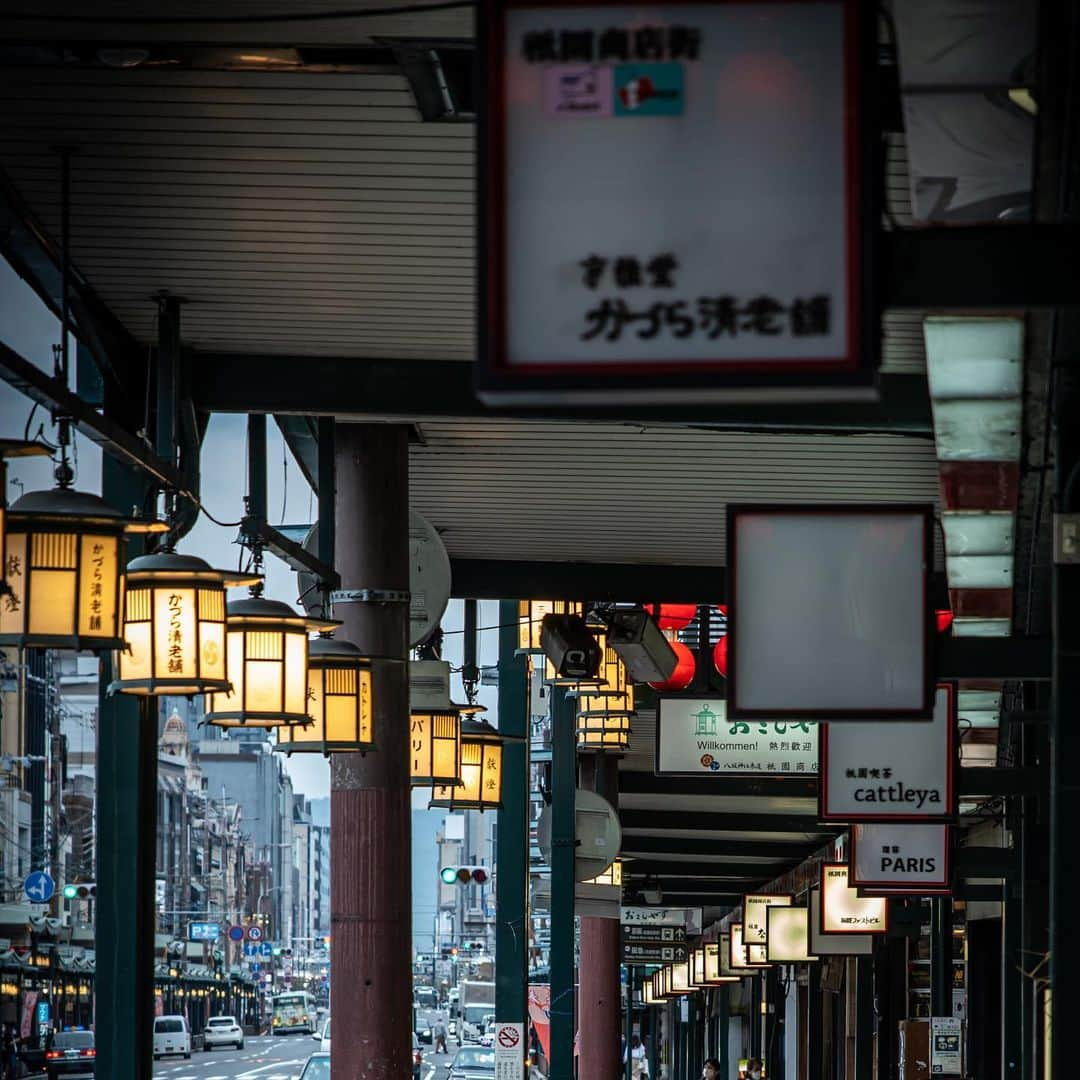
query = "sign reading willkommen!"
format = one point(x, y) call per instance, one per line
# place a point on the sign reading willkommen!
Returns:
point(899, 858)
point(675, 201)
point(891, 772)
point(694, 737)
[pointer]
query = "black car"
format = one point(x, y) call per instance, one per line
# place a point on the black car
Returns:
point(70, 1054)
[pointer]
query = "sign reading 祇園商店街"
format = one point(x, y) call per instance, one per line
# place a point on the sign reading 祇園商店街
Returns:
point(695, 738)
point(677, 199)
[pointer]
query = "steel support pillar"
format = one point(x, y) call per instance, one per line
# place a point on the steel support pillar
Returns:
point(723, 1033)
point(600, 989)
point(512, 841)
point(814, 1021)
point(126, 807)
point(864, 1018)
point(370, 815)
point(941, 956)
point(563, 843)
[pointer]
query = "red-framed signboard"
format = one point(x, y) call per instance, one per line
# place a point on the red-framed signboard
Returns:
point(897, 772)
point(843, 911)
point(829, 614)
point(677, 201)
point(901, 859)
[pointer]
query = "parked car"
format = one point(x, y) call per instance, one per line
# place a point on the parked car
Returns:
point(473, 1063)
point(324, 1038)
point(69, 1054)
point(171, 1036)
point(317, 1067)
point(223, 1031)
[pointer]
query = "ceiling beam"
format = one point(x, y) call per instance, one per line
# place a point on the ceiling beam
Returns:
point(760, 847)
point(719, 821)
point(355, 387)
point(705, 871)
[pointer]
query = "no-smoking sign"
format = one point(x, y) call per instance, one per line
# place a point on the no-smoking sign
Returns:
point(509, 1051)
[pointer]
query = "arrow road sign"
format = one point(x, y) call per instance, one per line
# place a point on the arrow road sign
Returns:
point(39, 887)
point(653, 953)
point(658, 934)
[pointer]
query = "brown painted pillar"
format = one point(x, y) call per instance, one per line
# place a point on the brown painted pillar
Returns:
point(599, 992)
point(370, 819)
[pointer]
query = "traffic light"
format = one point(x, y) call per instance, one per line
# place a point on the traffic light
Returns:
point(86, 890)
point(463, 875)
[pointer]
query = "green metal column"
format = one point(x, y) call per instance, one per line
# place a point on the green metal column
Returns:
point(512, 846)
point(563, 843)
point(723, 1021)
point(941, 964)
point(814, 1021)
point(864, 1018)
point(126, 816)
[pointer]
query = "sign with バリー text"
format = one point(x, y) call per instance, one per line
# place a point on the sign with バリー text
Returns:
point(694, 737)
point(900, 771)
point(644, 165)
point(900, 856)
point(843, 910)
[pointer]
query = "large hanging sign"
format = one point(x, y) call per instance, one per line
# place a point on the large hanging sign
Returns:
point(899, 859)
point(694, 737)
point(676, 201)
point(891, 772)
point(844, 911)
point(834, 944)
point(755, 912)
point(789, 935)
point(829, 615)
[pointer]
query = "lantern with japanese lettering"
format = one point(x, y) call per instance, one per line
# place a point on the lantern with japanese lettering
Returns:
point(481, 771)
point(612, 876)
point(266, 646)
point(339, 702)
point(434, 726)
point(603, 714)
point(174, 626)
point(63, 568)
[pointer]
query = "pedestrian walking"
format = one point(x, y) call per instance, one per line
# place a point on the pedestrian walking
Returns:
point(439, 1032)
point(753, 1069)
point(10, 1052)
point(711, 1071)
point(639, 1060)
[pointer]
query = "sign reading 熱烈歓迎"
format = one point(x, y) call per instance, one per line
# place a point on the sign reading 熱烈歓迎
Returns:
point(891, 772)
point(694, 737)
point(675, 201)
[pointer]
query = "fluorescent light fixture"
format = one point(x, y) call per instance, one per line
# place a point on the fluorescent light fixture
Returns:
point(977, 430)
point(979, 571)
point(979, 534)
point(973, 627)
point(974, 357)
point(978, 701)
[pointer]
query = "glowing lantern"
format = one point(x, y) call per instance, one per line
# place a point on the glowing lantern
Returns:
point(672, 616)
point(531, 614)
point(63, 559)
point(481, 771)
point(434, 726)
point(612, 876)
point(603, 716)
point(339, 702)
point(174, 623)
point(266, 646)
point(683, 675)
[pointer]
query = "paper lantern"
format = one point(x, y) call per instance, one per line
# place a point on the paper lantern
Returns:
point(683, 675)
point(720, 656)
point(480, 776)
point(672, 616)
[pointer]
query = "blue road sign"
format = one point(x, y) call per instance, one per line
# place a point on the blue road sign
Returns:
point(236, 933)
point(204, 931)
point(39, 887)
point(251, 949)
point(266, 950)
point(256, 968)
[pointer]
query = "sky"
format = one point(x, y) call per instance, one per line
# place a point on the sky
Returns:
point(31, 329)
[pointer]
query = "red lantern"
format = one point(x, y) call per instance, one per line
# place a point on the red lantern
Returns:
point(944, 620)
point(719, 656)
point(672, 616)
point(683, 675)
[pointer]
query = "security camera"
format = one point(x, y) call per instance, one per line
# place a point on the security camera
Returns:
point(571, 648)
point(641, 645)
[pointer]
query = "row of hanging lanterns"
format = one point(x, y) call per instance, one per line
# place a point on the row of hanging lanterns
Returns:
point(700, 971)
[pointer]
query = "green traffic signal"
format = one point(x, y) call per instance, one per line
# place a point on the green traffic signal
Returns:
point(70, 892)
point(448, 875)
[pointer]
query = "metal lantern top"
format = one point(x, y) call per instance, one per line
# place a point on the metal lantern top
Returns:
point(339, 694)
point(63, 570)
point(174, 626)
point(267, 659)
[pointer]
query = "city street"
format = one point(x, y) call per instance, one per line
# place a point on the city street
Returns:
point(269, 1058)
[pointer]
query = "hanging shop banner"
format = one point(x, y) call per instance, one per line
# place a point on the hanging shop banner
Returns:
point(828, 612)
point(755, 912)
point(695, 737)
point(891, 772)
point(675, 202)
point(834, 944)
point(737, 957)
point(900, 858)
point(789, 935)
point(843, 910)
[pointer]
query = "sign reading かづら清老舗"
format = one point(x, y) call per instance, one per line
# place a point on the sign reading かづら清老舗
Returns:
point(900, 771)
point(900, 857)
point(694, 737)
point(638, 184)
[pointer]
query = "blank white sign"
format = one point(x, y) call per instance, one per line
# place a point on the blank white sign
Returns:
point(828, 612)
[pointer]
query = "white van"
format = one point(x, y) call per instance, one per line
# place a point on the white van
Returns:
point(171, 1036)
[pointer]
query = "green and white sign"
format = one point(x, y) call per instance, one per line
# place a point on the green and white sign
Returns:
point(695, 737)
